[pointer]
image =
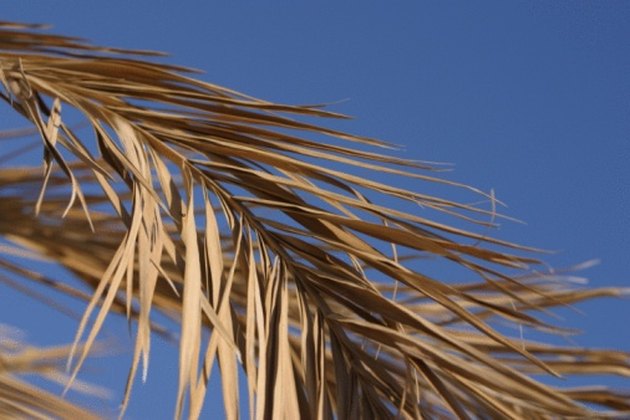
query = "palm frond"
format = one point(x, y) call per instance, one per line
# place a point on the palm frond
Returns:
point(229, 213)
point(19, 398)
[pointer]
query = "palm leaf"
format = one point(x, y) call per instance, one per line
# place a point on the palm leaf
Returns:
point(231, 214)
point(19, 398)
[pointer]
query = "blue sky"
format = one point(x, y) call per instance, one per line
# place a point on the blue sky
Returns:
point(531, 99)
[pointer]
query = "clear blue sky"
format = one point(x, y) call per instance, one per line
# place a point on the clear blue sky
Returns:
point(531, 99)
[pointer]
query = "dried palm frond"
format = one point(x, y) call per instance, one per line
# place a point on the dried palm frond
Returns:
point(20, 399)
point(205, 204)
